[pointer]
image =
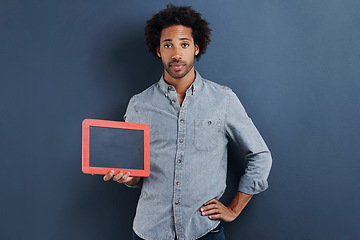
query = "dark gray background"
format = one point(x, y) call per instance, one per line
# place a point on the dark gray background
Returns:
point(294, 65)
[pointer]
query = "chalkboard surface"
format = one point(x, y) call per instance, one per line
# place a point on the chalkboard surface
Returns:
point(118, 146)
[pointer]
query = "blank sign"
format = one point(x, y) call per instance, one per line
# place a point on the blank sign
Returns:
point(119, 146)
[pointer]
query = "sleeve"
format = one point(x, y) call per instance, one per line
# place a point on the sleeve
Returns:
point(240, 128)
point(131, 115)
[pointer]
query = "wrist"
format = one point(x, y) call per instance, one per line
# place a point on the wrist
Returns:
point(239, 202)
point(134, 182)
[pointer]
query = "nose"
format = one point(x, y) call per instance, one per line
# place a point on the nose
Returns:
point(176, 54)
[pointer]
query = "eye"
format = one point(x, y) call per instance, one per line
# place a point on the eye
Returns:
point(185, 45)
point(167, 46)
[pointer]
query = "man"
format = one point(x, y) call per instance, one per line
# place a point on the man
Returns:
point(191, 120)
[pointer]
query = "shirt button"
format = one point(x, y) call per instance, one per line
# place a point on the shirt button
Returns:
point(182, 120)
point(173, 101)
point(209, 122)
point(169, 87)
point(179, 161)
point(177, 183)
point(181, 141)
point(176, 203)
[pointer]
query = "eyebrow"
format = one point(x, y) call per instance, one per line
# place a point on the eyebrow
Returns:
point(169, 39)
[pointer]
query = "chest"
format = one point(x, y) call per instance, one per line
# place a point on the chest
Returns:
point(199, 121)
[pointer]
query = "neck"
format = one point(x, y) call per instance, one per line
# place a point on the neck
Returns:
point(181, 84)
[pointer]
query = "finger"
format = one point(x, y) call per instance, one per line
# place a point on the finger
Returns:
point(208, 207)
point(123, 178)
point(215, 216)
point(127, 175)
point(118, 176)
point(128, 179)
point(210, 212)
point(211, 201)
point(109, 175)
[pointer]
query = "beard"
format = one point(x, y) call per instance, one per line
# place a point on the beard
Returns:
point(181, 73)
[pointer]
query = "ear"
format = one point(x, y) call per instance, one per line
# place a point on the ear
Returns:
point(197, 49)
point(158, 52)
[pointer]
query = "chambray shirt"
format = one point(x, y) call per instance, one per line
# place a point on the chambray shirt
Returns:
point(188, 156)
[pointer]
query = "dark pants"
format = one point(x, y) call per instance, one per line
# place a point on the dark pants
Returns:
point(216, 234)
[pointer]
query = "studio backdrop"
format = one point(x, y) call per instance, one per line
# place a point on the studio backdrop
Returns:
point(295, 66)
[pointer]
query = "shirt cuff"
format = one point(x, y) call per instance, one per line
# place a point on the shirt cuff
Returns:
point(252, 186)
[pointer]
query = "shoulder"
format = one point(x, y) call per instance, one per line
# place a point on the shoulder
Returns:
point(145, 95)
point(222, 92)
point(216, 87)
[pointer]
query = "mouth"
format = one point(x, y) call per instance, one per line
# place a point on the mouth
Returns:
point(177, 67)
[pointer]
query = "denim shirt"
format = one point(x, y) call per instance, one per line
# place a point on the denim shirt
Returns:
point(188, 156)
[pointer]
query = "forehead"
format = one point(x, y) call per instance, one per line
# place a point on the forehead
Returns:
point(176, 32)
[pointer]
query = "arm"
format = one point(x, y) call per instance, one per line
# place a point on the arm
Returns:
point(241, 129)
point(216, 210)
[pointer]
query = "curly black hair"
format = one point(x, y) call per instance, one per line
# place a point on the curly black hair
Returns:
point(177, 15)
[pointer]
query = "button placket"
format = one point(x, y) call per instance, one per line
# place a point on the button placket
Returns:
point(178, 167)
point(172, 96)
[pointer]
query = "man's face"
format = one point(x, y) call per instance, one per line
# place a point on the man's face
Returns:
point(177, 50)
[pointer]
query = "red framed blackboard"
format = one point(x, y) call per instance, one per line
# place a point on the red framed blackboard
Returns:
point(113, 145)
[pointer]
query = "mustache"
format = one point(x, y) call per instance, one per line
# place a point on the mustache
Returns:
point(177, 62)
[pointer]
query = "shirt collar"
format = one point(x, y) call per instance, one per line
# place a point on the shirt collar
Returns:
point(195, 86)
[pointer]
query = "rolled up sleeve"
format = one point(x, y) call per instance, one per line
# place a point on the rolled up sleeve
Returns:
point(240, 128)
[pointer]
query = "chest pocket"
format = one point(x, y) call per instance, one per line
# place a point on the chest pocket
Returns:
point(207, 134)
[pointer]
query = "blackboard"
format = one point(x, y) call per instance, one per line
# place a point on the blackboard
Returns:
point(118, 146)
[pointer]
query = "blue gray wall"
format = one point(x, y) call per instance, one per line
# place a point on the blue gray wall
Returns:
point(295, 65)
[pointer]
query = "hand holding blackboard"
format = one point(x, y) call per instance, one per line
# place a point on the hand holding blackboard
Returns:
point(120, 147)
point(122, 178)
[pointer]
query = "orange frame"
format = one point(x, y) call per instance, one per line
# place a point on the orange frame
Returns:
point(114, 124)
